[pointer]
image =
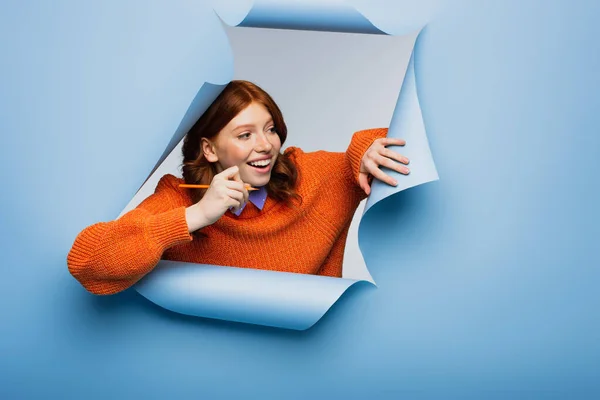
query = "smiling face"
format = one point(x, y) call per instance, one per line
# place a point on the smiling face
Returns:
point(249, 141)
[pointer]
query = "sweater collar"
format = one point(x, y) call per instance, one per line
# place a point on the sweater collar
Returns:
point(257, 197)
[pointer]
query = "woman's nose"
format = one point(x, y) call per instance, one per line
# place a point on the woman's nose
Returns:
point(263, 143)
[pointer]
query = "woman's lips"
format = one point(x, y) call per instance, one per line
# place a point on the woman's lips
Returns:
point(263, 170)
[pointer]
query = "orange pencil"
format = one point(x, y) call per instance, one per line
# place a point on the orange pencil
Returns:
point(185, 185)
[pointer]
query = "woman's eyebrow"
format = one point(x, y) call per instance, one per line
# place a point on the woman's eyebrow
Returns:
point(245, 126)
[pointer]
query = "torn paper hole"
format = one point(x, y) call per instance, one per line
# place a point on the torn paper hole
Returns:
point(332, 73)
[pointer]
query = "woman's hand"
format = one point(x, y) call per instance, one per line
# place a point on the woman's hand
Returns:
point(379, 156)
point(226, 191)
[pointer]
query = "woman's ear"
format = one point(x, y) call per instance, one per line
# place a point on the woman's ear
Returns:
point(209, 150)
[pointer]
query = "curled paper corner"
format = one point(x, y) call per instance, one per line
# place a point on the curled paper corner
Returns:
point(232, 12)
point(272, 298)
point(404, 17)
point(351, 16)
point(261, 297)
point(310, 15)
point(407, 124)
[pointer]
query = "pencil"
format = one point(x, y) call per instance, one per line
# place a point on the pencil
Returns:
point(189, 186)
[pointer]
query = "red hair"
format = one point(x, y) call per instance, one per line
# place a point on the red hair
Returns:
point(236, 96)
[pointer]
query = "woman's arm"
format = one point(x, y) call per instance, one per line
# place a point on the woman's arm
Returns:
point(360, 143)
point(109, 257)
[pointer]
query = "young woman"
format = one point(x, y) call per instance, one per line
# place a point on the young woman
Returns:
point(264, 209)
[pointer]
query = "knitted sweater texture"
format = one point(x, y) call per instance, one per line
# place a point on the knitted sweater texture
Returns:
point(109, 257)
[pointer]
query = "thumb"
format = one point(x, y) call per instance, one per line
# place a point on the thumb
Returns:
point(363, 182)
point(230, 172)
point(236, 175)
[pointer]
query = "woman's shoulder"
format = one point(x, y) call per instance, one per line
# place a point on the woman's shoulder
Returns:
point(317, 158)
point(169, 184)
point(318, 166)
point(167, 191)
point(170, 180)
point(362, 135)
point(372, 132)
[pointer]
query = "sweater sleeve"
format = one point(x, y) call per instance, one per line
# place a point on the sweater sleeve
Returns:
point(109, 257)
point(360, 143)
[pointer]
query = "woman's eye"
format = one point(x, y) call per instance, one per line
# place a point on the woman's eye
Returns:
point(244, 135)
point(273, 130)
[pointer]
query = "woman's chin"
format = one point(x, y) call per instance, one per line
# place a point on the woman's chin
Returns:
point(257, 181)
point(256, 177)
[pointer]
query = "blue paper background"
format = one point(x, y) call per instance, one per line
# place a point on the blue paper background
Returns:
point(491, 289)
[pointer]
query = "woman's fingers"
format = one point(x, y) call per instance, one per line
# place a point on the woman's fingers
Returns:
point(374, 170)
point(229, 173)
point(240, 187)
point(232, 180)
point(379, 147)
point(391, 164)
point(377, 161)
point(234, 199)
point(394, 156)
point(388, 141)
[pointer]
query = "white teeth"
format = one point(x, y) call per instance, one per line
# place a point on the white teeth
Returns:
point(262, 163)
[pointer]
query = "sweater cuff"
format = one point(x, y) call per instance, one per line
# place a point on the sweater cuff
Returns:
point(361, 141)
point(169, 228)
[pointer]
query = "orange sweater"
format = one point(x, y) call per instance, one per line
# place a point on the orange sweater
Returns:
point(109, 257)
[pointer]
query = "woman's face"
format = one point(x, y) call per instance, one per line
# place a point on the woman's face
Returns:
point(249, 141)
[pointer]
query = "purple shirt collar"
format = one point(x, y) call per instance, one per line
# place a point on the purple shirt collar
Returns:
point(257, 197)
